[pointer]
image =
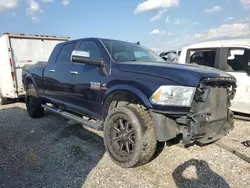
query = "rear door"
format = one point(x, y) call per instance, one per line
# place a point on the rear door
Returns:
point(29, 51)
point(57, 77)
point(236, 62)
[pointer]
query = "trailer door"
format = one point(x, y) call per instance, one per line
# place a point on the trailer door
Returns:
point(29, 51)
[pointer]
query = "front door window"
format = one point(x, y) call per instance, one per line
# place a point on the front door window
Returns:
point(205, 57)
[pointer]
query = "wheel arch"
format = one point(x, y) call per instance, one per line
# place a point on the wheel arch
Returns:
point(123, 94)
point(29, 79)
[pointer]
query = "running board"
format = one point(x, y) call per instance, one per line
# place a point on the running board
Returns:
point(96, 126)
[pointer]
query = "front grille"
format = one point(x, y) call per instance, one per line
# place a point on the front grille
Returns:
point(212, 100)
point(214, 95)
point(218, 99)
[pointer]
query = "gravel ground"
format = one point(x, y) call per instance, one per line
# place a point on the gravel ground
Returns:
point(235, 138)
point(50, 153)
point(45, 152)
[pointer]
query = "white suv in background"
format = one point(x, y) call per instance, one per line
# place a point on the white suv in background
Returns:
point(231, 56)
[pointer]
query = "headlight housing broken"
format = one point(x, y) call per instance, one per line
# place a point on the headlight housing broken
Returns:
point(173, 96)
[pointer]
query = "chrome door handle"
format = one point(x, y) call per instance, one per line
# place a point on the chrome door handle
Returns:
point(73, 72)
point(51, 70)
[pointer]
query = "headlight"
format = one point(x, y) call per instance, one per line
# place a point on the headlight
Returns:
point(173, 96)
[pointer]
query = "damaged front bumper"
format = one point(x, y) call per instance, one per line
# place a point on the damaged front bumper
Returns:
point(192, 129)
point(203, 131)
point(208, 119)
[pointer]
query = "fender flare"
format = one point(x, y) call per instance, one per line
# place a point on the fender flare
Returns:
point(28, 76)
point(127, 88)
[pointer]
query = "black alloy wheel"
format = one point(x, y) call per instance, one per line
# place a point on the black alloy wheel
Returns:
point(123, 137)
point(129, 136)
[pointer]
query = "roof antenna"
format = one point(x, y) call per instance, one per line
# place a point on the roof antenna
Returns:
point(138, 43)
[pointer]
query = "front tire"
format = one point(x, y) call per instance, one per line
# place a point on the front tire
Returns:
point(33, 103)
point(129, 136)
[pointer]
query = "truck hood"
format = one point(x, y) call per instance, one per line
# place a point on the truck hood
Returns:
point(184, 74)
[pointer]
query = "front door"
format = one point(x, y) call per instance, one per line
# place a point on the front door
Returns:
point(237, 65)
point(88, 83)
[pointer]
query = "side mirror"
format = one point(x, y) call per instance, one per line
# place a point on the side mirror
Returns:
point(84, 57)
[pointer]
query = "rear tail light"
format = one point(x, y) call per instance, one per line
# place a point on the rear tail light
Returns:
point(12, 72)
point(11, 64)
point(13, 76)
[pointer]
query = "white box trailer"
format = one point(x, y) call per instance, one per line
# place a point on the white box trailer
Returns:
point(17, 50)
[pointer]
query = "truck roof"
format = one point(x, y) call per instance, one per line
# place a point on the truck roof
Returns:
point(219, 43)
point(100, 38)
point(34, 36)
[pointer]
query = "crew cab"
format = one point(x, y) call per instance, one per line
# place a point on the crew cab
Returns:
point(231, 56)
point(132, 94)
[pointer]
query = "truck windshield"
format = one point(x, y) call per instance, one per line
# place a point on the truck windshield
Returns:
point(124, 51)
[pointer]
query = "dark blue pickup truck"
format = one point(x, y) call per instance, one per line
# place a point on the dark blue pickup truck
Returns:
point(132, 94)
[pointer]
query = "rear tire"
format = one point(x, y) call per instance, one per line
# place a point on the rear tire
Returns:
point(3, 100)
point(33, 103)
point(129, 136)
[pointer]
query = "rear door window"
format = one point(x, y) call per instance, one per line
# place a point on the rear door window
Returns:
point(238, 59)
point(205, 57)
point(65, 53)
